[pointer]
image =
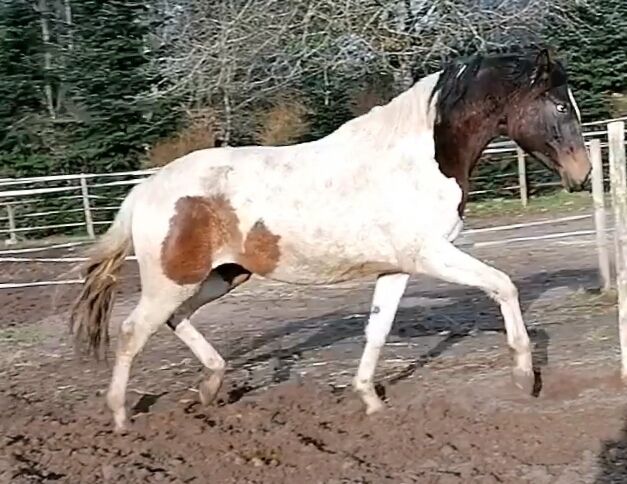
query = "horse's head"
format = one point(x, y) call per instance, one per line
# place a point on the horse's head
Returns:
point(545, 122)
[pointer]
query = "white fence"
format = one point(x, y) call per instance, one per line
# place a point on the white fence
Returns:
point(618, 190)
point(99, 195)
point(618, 179)
point(28, 255)
point(81, 204)
point(89, 201)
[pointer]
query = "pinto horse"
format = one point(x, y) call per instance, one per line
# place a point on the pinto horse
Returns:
point(382, 197)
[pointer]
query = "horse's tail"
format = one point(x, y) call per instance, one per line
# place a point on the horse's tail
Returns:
point(91, 311)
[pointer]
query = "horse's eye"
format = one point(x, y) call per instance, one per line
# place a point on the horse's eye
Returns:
point(561, 108)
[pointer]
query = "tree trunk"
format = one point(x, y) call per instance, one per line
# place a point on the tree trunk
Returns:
point(45, 34)
point(228, 117)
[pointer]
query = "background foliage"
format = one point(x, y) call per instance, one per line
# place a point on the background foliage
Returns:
point(101, 86)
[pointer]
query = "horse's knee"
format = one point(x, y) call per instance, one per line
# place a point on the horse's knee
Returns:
point(125, 335)
point(505, 290)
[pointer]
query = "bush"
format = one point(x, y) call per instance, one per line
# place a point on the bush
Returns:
point(363, 100)
point(199, 134)
point(282, 124)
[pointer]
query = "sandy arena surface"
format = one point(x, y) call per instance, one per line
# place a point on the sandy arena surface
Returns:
point(287, 414)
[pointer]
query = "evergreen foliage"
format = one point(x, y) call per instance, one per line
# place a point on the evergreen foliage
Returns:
point(21, 82)
point(596, 56)
point(103, 70)
point(100, 76)
point(108, 71)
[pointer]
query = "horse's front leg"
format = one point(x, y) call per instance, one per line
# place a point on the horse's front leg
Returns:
point(442, 259)
point(387, 294)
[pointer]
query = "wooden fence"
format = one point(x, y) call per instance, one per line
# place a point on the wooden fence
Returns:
point(84, 204)
point(99, 196)
point(618, 191)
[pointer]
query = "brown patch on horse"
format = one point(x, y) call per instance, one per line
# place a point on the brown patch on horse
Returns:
point(261, 250)
point(199, 228)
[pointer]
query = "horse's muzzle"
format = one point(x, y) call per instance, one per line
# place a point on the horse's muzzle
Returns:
point(575, 169)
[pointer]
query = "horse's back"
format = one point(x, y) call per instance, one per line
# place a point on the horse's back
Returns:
point(320, 206)
point(245, 178)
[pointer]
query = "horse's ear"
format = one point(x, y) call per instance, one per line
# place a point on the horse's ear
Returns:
point(542, 70)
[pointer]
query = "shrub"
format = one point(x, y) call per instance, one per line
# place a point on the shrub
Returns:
point(199, 133)
point(286, 122)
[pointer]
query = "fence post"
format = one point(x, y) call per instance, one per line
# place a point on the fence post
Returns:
point(598, 196)
point(89, 223)
point(522, 176)
point(11, 218)
point(618, 180)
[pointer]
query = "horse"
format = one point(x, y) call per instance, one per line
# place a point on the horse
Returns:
point(382, 196)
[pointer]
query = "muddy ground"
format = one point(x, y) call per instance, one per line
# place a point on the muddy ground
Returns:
point(287, 414)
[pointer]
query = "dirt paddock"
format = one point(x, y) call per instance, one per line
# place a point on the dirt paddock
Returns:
point(286, 413)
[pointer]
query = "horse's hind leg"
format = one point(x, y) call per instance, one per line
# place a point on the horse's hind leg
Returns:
point(153, 310)
point(221, 280)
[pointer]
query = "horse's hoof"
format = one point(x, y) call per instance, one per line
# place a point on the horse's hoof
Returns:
point(120, 428)
point(524, 380)
point(209, 388)
point(374, 406)
point(120, 424)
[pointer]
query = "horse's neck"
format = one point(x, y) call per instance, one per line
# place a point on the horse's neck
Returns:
point(459, 142)
point(409, 114)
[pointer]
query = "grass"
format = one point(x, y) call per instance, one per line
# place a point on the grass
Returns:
point(558, 202)
point(24, 335)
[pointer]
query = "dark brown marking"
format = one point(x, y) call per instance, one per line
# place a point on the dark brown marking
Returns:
point(261, 250)
point(232, 274)
point(511, 94)
point(199, 227)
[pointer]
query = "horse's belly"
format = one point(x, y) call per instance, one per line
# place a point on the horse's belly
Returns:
point(327, 271)
point(334, 256)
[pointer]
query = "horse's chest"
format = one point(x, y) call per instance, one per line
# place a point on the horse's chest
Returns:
point(430, 204)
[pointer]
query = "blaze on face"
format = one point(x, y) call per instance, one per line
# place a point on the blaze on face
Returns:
point(546, 124)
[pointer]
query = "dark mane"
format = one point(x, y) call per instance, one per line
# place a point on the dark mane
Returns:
point(514, 68)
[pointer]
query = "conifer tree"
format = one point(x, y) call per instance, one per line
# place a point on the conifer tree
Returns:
point(596, 55)
point(21, 80)
point(109, 70)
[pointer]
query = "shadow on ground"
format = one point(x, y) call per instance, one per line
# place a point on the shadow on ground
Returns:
point(469, 310)
point(612, 460)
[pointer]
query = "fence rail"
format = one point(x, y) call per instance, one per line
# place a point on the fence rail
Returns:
point(20, 256)
point(111, 190)
point(84, 204)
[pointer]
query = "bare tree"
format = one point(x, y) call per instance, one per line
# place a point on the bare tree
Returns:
point(409, 34)
point(55, 17)
point(42, 7)
point(234, 54)
point(231, 54)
